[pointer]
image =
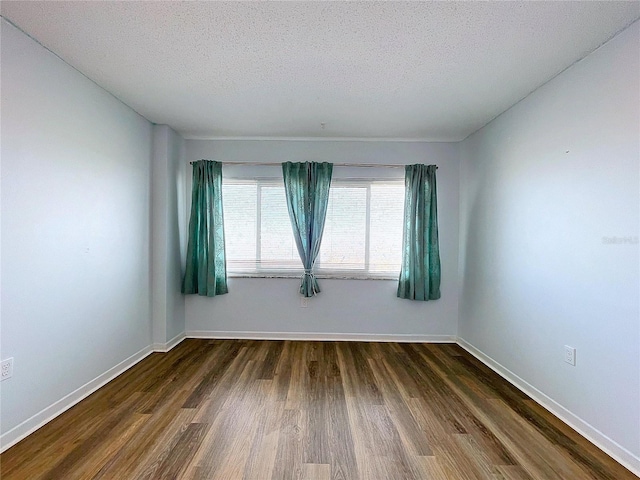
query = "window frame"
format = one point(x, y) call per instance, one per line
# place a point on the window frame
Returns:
point(260, 271)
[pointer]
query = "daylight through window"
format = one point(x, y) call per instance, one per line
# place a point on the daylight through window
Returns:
point(362, 235)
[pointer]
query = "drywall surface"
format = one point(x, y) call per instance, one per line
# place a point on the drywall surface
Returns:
point(75, 231)
point(167, 193)
point(177, 235)
point(272, 306)
point(549, 241)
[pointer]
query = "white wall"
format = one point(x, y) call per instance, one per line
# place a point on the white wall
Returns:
point(168, 197)
point(362, 307)
point(177, 233)
point(75, 233)
point(543, 189)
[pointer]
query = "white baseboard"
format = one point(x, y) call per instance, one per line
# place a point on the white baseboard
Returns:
point(165, 347)
point(17, 433)
point(599, 439)
point(330, 337)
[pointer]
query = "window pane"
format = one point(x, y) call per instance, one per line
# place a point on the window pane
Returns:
point(387, 208)
point(343, 240)
point(239, 205)
point(277, 245)
point(262, 242)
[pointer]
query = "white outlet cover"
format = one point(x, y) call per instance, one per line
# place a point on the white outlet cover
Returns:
point(7, 369)
point(570, 355)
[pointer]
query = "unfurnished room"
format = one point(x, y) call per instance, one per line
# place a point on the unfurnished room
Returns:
point(320, 240)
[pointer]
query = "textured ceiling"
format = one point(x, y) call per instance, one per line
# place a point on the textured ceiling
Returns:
point(415, 70)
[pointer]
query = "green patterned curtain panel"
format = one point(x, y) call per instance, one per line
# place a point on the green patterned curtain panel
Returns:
point(206, 269)
point(420, 273)
point(306, 187)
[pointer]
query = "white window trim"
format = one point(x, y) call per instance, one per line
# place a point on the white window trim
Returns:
point(319, 272)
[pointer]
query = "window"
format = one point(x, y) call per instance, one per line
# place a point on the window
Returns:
point(258, 236)
point(363, 229)
point(362, 235)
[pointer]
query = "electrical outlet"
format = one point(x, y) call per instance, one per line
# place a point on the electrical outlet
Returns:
point(7, 368)
point(304, 302)
point(570, 355)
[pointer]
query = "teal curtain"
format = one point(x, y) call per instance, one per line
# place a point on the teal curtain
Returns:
point(420, 273)
point(206, 269)
point(306, 187)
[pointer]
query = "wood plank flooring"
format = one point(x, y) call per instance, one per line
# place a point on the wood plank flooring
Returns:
point(260, 410)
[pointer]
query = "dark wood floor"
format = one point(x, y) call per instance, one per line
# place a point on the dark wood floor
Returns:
point(308, 410)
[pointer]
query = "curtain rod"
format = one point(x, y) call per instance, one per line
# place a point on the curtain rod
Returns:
point(274, 164)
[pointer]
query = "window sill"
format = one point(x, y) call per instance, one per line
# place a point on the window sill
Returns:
point(319, 276)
